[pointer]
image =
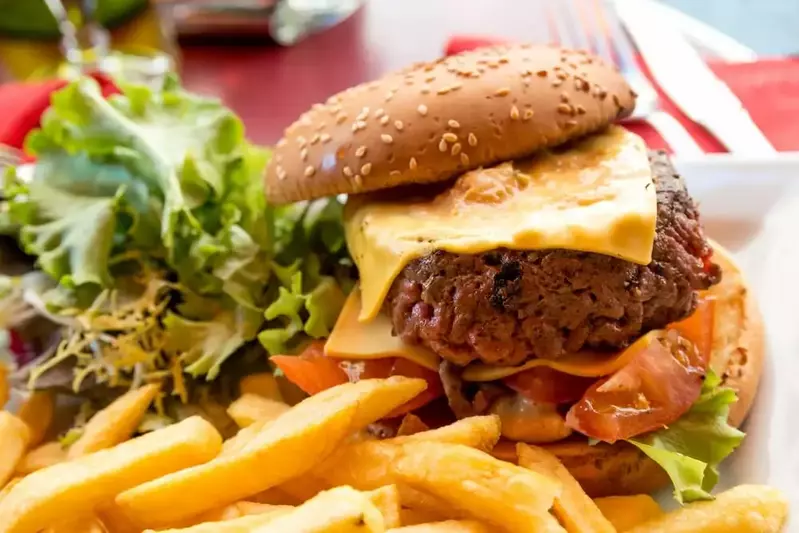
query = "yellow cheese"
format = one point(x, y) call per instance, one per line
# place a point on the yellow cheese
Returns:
point(352, 339)
point(356, 340)
point(597, 196)
point(585, 364)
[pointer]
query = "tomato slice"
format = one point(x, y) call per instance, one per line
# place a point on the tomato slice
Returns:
point(699, 326)
point(312, 371)
point(655, 388)
point(545, 385)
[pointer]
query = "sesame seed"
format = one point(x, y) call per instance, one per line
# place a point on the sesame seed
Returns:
point(384, 120)
point(557, 83)
point(355, 127)
point(472, 139)
point(315, 139)
point(422, 109)
point(326, 137)
point(398, 124)
point(389, 95)
point(386, 138)
point(528, 114)
point(408, 81)
point(561, 75)
point(379, 113)
point(309, 171)
point(341, 118)
point(541, 73)
point(502, 92)
point(616, 100)
point(279, 158)
point(358, 180)
point(442, 146)
point(425, 89)
point(281, 173)
point(455, 86)
point(514, 113)
point(361, 151)
point(302, 141)
point(443, 90)
point(430, 79)
point(304, 154)
point(449, 137)
point(564, 97)
point(454, 124)
point(573, 66)
point(282, 142)
point(571, 123)
point(580, 110)
point(564, 109)
point(464, 159)
point(503, 60)
point(493, 64)
point(395, 173)
point(412, 163)
point(366, 169)
point(456, 148)
point(347, 171)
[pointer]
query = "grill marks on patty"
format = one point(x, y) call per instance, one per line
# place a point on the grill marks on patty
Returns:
point(505, 306)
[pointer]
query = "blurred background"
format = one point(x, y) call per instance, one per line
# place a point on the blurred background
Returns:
point(270, 59)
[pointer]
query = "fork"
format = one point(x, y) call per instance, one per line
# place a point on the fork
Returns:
point(9, 156)
point(593, 25)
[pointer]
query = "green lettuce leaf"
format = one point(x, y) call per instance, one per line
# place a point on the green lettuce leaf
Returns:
point(690, 449)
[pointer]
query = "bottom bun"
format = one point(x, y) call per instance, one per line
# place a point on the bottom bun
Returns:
point(738, 352)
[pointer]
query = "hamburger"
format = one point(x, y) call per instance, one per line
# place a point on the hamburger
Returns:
point(530, 259)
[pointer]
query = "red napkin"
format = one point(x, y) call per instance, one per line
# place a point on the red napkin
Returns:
point(22, 105)
point(769, 89)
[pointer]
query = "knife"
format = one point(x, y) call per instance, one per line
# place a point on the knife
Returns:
point(685, 78)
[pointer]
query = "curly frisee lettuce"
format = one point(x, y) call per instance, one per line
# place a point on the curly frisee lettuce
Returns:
point(146, 210)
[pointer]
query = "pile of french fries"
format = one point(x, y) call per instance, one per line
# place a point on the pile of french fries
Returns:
point(312, 468)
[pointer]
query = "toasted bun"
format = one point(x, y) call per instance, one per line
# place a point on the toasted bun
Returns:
point(738, 351)
point(436, 120)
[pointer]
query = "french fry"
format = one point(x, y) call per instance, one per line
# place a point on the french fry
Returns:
point(387, 501)
point(263, 384)
point(250, 408)
point(305, 487)
point(48, 454)
point(510, 497)
point(339, 510)
point(412, 517)
point(253, 508)
point(82, 484)
point(114, 424)
point(4, 390)
point(368, 465)
point(448, 526)
point(626, 512)
point(479, 432)
point(37, 412)
point(410, 425)
point(115, 521)
point(743, 509)
point(9, 485)
point(86, 523)
point(284, 449)
point(244, 524)
point(275, 496)
point(576, 511)
point(14, 436)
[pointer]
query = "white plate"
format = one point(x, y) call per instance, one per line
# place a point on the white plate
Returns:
point(752, 208)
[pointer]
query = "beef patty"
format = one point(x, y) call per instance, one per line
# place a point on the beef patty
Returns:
point(505, 306)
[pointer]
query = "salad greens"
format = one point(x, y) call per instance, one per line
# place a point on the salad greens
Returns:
point(147, 213)
point(691, 448)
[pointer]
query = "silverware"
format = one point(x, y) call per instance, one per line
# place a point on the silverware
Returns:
point(593, 25)
point(690, 84)
point(9, 156)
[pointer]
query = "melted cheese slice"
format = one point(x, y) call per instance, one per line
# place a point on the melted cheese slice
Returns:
point(355, 340)
point(352, 339)
point(595, 196)
point(584, 364)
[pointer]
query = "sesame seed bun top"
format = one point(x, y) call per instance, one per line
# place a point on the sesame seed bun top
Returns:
point(435, 120)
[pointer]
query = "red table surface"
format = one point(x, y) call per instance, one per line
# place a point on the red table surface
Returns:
point(271, 86)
